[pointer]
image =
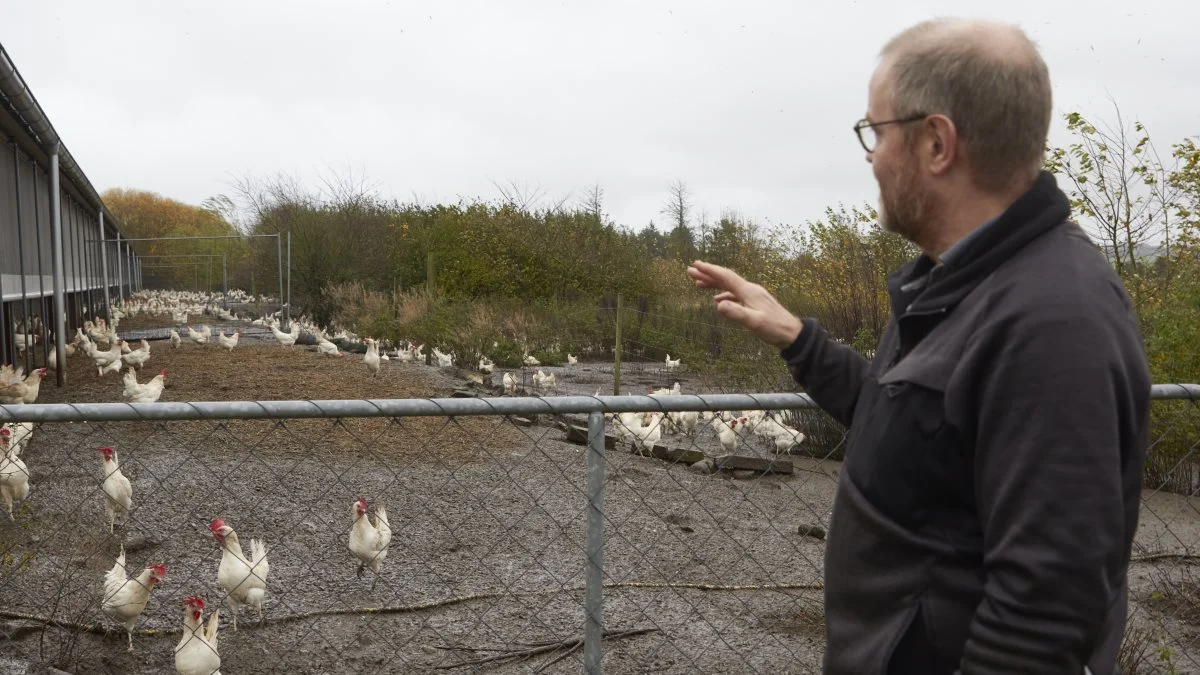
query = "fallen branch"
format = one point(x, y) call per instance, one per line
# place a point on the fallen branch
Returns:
point(1165, 555)
point(548, 647)
point(101, 629)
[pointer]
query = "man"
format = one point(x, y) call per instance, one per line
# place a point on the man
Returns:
point(990, 490)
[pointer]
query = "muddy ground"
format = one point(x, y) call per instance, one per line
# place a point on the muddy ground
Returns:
point(489, 533)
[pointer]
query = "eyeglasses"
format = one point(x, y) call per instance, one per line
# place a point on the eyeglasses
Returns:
point(868, 139)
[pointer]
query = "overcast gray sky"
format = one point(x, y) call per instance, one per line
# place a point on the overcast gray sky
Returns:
point(750, 103)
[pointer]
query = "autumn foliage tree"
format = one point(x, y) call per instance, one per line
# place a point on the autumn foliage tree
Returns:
point(174, 263)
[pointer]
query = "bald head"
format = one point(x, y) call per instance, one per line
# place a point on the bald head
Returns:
point(989, 79)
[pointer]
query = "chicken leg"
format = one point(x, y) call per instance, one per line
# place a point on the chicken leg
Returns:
point(233, 611)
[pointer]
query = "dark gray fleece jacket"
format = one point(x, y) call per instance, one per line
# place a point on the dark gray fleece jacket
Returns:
point(989, 496)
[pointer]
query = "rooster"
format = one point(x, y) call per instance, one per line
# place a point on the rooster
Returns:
point(244, 580)
point(124, 598)
point(369, 543)
point(14, 475)
point(196, 652)
point(118, 492)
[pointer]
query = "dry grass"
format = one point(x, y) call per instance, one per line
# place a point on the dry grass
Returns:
point(1137, 655)
point(1177, 593)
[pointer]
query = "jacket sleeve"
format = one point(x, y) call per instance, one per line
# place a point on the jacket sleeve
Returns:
point(1051, 481)
point(831, 373)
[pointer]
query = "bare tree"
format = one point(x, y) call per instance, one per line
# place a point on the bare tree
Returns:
point(347, 189)
point(593, 202)
point(679, 205)
point(520, 197)
point(678, 209)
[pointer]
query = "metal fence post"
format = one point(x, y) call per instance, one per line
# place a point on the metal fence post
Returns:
point(47, 320)
point(104, 269)
point(593, 603)
point(120, 270)
point(288, 313)
point(279, 266)
point(56, 234)
point(25, 348)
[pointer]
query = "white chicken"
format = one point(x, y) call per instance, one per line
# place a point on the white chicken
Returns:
point(542, 380)
point(138, 357)
point(196, 652)
point(22, 433)
point(327, 348)
point(646, 431)
point(572, 360)
point(671, 365)
point(784, 437)
point(371, 358)
point(510, 384)
point(244, 580)
point(228, 341)
point(726, 432)
point(150, 391)
point(118, 491)
point(443, 359)
point(284, 339)
point(103, 359)
point(486, 365)
point(131, 384)
point(14, 475)
point(14, 389)
point(175, 339)
point(199, 337)
point(369, 542)
point(685, 421)
point(125, 599)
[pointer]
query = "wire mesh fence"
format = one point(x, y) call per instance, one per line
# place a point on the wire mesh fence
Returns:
point(659, 533)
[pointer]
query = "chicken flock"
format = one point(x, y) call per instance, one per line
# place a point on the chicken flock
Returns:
point(243, 572)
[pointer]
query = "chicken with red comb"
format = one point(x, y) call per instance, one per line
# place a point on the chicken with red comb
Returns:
point(118, 491)
point(14, 475)
point(369, 541)
point(125, 599)
point(196, 652)
point(244, 579)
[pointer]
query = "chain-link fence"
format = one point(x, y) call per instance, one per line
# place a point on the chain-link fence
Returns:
point(522, 534)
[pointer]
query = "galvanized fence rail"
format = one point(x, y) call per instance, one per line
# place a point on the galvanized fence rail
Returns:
point(485, 497)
